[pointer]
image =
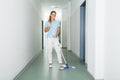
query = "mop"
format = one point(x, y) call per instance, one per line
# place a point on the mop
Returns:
point(66, 65)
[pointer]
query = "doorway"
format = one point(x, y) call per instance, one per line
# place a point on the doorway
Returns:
point(82, 31)
point(42, 34)
point(45, 16)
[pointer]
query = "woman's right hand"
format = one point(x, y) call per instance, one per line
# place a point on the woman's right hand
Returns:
point(47, 29)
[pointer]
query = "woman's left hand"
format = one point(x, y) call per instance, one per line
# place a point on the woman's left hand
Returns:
point(55, 36)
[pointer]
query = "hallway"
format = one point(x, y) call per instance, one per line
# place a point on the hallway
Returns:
point(39, 70)
point(21, 39)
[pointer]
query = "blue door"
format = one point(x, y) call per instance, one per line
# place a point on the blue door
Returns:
point(82, 31)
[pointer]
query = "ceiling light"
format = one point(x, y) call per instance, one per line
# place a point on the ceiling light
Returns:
point(53, 6)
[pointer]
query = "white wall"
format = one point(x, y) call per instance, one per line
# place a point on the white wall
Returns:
point(19, 36)
point(95, 38)
point(68, 27)
point(112, 40)
point(94, 35)
point(90, 36)
point(64, 26)
point(99, 39)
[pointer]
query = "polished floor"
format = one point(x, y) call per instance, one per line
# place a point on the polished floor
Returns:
point(39, 70)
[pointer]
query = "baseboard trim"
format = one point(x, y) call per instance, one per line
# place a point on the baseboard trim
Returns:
point(93, 77)
point(64, 47)
point(27, 66)
point(69, 50)
point(86, 65)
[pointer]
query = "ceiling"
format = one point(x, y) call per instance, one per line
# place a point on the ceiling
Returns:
point(51, 3)
point(45, 6)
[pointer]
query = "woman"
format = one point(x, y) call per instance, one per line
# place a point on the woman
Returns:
point(52, 27)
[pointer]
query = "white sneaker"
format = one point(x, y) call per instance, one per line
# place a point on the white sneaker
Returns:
point(63, 65)
point(50, 66)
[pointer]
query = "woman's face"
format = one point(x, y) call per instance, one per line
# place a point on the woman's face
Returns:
point(53, 15)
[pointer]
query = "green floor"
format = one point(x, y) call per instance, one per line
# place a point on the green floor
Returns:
point(39, 70)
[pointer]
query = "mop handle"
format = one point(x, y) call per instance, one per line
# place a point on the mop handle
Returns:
point(63, 56)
